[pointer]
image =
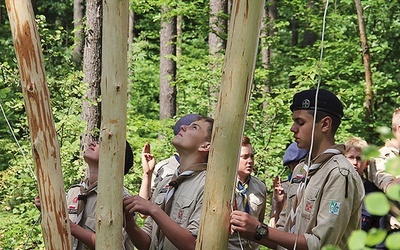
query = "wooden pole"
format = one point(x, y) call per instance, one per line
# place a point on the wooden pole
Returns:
point(237, 77)
point(113, 124)
point(45, 146)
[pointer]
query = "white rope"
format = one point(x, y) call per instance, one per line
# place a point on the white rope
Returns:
point(16, 140)
point(315, 112)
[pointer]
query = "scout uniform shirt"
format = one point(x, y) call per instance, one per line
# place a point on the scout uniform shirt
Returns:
point(330, 207)
point(81, 204)
point(254, 203)
point(185, 210)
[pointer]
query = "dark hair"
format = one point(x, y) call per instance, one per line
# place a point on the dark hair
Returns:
point(210, 122)
point(128, 158)
point(246, 141)
point(321, 114)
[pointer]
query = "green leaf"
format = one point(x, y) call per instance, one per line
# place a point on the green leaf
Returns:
point(385, 133)
point(375, 237)
point(370, 152)
point(393, 241)
point(393, 166)
point(376, 203)
point(357, 240)
point(330, 247)
point(393, 192)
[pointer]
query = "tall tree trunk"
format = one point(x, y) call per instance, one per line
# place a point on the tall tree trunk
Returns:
point(179, 20)
point(92, 70)
point(294, 25)
point(45, 146)
point(237, 78)
point(216, 43)
point(78, 34)
point(167, 64)
point(270, 14)
point(109, 215)
point(366, 59)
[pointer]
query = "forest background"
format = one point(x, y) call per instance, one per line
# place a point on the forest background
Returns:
point(176, 52)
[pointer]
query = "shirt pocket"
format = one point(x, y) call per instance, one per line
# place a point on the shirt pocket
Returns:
point(310, 202)
point(159, 200)
point(182, 209)
point(255, 203)
point(90, 223)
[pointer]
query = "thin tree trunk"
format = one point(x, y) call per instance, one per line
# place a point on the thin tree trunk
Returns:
point(109, 215)
point(270, 14)
point(167, 64)
point(237, 78)
point(216, 43)
point(366, 59)
point(92, 70)
point(45, 146)
point(78, 34)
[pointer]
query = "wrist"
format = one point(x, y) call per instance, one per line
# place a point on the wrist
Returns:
point(261, 231)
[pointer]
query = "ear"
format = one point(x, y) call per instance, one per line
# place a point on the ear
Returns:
point(205, 147)
point(326, 123)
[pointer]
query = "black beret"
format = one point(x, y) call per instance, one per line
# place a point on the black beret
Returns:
point(327, 102)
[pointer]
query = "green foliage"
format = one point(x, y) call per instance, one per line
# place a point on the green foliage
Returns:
point(357, 240)
point(294, 65)
point(377, 203)
point(375, 236)
point(392, 241)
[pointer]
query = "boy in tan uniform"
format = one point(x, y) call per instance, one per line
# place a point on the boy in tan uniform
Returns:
point(250, 195)
point(377, 171)
point(82, 201)
point(174, 212)
point(325, 195)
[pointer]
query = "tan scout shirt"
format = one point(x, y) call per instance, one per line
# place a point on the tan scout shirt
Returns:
point(163, 169)
point(185, 210)
point(331, 206)
point(377, 170)
point(256, 195)
point(87, 219)
point(382, 178)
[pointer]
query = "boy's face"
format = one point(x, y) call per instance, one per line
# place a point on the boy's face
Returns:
point(192, 137)
point(354, 157)
point(302, 128)
point(246, 161)
point(92, 152)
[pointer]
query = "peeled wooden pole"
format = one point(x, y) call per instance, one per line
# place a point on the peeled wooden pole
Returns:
point(237, 77)
point(45, 147)
point(113, 124)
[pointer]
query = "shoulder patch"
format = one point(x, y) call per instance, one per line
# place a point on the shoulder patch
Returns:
point(334, 208)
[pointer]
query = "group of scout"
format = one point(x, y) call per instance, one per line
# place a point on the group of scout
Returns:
point(323, 199)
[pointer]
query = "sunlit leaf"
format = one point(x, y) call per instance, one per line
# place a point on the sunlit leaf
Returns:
point(370, 152)
point(376, 203)
point(330, 247)
point(385, 133)
point(393, 241)
point(375, 237)
point(393, 192)
point(357, 240)
point(393, 166)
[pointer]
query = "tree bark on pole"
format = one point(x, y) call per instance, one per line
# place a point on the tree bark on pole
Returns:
point(113, 124)
point(237, 78)
point(45, 146)
point(366, 59)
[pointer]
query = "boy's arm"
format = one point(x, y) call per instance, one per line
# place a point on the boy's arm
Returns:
point(176, 234)
point(246, 225)
point(85, 236)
